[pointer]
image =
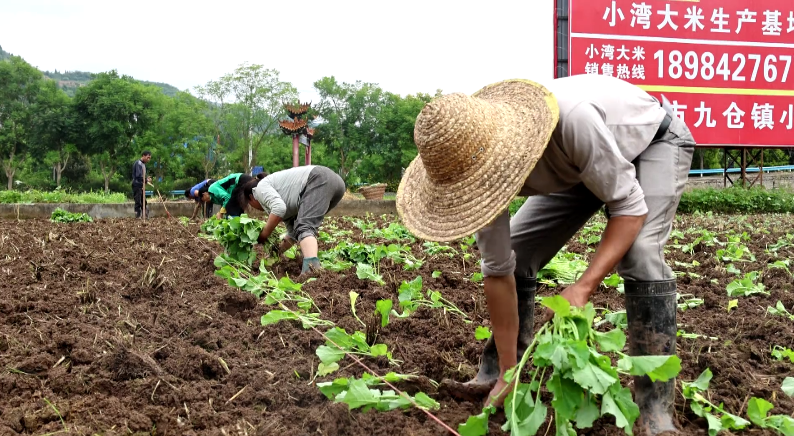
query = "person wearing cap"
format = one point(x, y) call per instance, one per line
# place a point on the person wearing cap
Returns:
point(196, 193)
point(581, 143)
point(300, 197)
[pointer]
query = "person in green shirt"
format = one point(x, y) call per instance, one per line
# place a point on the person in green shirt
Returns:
point(223, 193)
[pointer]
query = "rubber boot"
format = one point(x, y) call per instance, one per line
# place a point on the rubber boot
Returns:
point(488, 373)
point(651, 313)
point(311, 264)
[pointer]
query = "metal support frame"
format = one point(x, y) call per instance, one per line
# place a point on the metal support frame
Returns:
point(743, 157)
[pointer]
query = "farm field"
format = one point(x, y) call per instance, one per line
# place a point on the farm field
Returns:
point(123, 327)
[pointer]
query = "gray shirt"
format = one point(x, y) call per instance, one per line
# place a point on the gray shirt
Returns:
point(279, 193)
point(605, 123)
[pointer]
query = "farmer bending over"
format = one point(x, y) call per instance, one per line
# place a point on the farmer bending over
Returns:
point(223, 191)
point(300, 197)
point(196, 193)
point(591, 141)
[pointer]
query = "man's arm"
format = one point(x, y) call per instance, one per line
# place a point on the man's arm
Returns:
point(272, 222)
point(618, 237)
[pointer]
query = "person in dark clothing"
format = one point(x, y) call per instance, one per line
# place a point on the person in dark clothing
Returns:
point(196, 193)
point(138, 182)
point(224, 192)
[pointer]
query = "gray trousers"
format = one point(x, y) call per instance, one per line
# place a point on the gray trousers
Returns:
point(545, 223)
point(323, 191)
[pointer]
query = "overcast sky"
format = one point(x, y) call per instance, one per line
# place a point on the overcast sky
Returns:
point(405, 46)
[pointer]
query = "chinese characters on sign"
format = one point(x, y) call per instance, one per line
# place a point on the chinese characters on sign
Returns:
point(725, 65)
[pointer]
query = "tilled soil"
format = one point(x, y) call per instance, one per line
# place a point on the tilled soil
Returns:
point(121, 327)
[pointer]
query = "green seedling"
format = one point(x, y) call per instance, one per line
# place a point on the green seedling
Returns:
point(184, 220)
point(367, 272)
point(716, 416)
point(733, 304)
point(746, 286)
point(782, 353)
point(564, 269)
point(567, 356)
point(436, 249)
point(61, 216)
point(482, 333)
point(781, 264)
point(788, 386)
point(411, 298)
point(239, 235)
point(477, 277)
point(436, 274)
point(735, 252)
point(780, 310)
point(383, 308)
point(614, 281)
point(394, 232)
point(758, 411)
point(339, 343)
point(358, 393)
point(353, 298)
point(690, 302)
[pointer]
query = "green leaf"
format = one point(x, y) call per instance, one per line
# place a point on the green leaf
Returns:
point(757, 409)
point(332, 389)
point(275, 316)
point(593, 378)
point(482, 333)
point(476, 277)
point(532, 423)
point(357, 395)
point(476, 425)
point(353, 298)
point(588, 412)
point(618, 403)
point(702, 382)
point(329, 355)
point(715, 424)
point(378, 350)
point(613, 340)
point(323, 369)
point(733, 304)
point(788, 386)
point(425, 402)
point(657, 368)
point(558, 304)
point(733, 422)
point(383, 307)
point(435, 275)
point(567, 395)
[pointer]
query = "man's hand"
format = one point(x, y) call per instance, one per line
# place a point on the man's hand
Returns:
point(578, 294)
point(218, 215)
point(497, 395)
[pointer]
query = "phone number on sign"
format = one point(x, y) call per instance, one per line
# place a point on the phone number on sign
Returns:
point(737, 67)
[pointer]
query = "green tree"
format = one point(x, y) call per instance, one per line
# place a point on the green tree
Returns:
point(20, 85)
point(54, 129)
point(250, 101)
point(111, 112)
point(393, 148)
point(350, 114)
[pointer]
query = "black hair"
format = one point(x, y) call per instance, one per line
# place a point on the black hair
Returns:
point(262, 175)
point(146, 153)
point(245, 189)
point(187, 193)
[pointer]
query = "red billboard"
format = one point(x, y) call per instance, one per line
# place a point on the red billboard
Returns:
point(725, 65)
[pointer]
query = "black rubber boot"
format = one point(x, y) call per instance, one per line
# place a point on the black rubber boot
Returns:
point(488, 373)
point(651, 312)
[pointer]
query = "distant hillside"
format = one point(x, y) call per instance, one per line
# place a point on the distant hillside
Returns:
point(69, 81)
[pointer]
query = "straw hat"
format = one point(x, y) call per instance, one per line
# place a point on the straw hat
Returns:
point(475, 153)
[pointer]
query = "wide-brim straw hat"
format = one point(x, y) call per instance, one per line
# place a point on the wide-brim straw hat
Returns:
point(475, 153)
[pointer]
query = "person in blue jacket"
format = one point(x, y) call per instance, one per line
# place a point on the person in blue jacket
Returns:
point(196, 193)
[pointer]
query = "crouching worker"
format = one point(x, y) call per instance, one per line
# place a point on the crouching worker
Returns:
point(223, 193)
point(203, 202)
point(585, 142)
point(300, 197)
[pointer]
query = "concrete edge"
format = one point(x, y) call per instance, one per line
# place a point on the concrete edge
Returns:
point(21, 211)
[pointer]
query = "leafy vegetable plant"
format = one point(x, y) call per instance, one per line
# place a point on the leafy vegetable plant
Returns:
point(758, 412)
point(781, 353)
point(61, 216)
point(746, 286)
point(239, 235)
point(717, 417)
point(339, 343)
point(411, 298)
point(780, 310)
point(357, 393)
point(585, 386)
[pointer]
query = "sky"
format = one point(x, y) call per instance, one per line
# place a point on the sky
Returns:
point(405, 46)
